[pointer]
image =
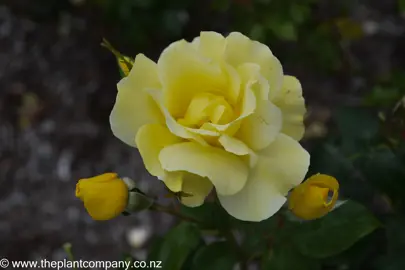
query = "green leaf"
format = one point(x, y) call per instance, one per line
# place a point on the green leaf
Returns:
point(394, 257)
point(357, 126)
point(124, 63)
point(137, 202)
point(216, 256)
point(285, 30)
point(382, 96)
point(255, 235)
point(401, 5)
point(221, 5)
point(335, 232)
point(176, 246)
point(384, 169)
point(299, 13)
point(286, 257)
point(211, 215)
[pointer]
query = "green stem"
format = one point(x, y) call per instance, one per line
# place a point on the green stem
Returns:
point(68, 249)
point(171, 211)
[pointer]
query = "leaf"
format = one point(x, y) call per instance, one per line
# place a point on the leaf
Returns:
point(357, 126)
point(327, 158)
point(256, 234)
point(286, 257)
point(285, 30)
point(221, 5)
point(211, 215)
point(335, 232)
point(382, 96)
point(299, 13)
point(384, 169)
point(176, 246)
point(125, 63)
point(401, 5)
point(394, 257)
point(216, 256)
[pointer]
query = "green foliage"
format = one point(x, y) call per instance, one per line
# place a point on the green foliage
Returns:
point(287, 257)
point(216, 256)
point(176, 246)
point(401, 5)
point(339, 230)
point(210, 215)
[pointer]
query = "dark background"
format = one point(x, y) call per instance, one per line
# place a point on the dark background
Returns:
point(58, 86)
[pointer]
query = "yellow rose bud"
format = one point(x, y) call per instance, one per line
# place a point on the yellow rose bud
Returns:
point(311, 199)
point(104, 196)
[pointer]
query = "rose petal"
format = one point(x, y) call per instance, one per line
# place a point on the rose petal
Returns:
point(176, 128)
point(240, 49)
point(281, 166)
point(196, 186)
point(237, 147)
point(227, 172)
point(288, 159)
point(259, 129)
point(212, 45)
point(133, 106)
point(292, 105)
point(247, 107)
point(184, 73)
point(151, 139)
point(258, 200)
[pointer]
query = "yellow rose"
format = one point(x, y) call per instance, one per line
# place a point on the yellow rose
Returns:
point(216, 112)
point(104, 196)
point(311, 199)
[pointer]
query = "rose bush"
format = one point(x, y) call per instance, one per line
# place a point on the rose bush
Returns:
point(216, 112)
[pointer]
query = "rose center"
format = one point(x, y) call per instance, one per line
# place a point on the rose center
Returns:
point(207, 107)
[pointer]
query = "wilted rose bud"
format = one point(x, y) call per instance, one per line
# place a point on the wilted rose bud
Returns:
point(315, 197)
point(106, 196)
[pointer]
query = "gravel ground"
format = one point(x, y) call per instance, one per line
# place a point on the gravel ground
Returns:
point(57, 88)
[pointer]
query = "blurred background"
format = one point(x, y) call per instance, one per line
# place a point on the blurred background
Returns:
point(58, 86)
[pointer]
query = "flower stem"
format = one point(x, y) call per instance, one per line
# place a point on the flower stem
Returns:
point(171, 211)
point(68, 249)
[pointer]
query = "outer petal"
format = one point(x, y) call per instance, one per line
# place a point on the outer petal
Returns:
point(227, 172)
point(212, 45)
point(240, 49)
point(184, 73)
point(292, 105)
point(194, 186)
point(289, 160)
point(151, 139)
point(198, 187)
point(259, 129)
point(259, 199)
point(280, 167)
point(133, 106)
point(237, 147)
